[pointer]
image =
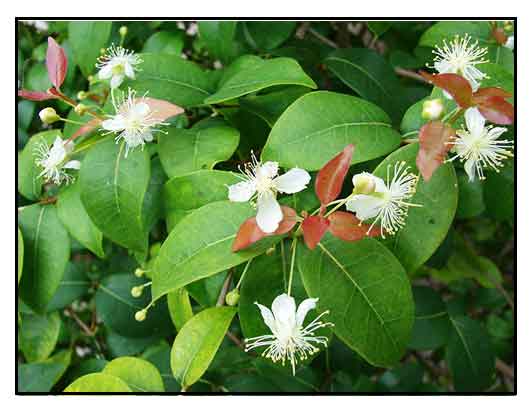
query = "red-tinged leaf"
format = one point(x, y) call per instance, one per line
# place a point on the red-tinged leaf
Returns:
point(499, 35)
point(434, 138)
point(249, 232)
point(56, 63)
point(331, 176)
point(162, 109)
point(347, 227)
point(457, 86)
point(87, 127)
point(497, 110)
point(486, 92)
point(313, 229)
point(35, 95)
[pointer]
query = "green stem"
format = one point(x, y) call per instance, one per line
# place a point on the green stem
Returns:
point(339, 205)
point(292, 267)
point(243, 273)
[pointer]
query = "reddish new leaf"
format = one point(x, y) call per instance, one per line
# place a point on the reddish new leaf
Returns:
point(457, 86)
point(86, 128)
point(249, 232)
point(434, 138)
point(497, 110)
point(331, 176)
point(313, 228)
point(347, 227)
point(499, 35)
point(35, 95)
point(56, 63)
point(162, 109)
point(486, 92)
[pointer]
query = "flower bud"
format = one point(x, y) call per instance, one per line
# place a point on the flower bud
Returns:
point(232, 297)
point(139, 272)
point(81, 109)
point(432, 109)
point(363, 184)
point(141, 315)
point(508, 27)
point(137, 291)
point(90, 78)
point(49, 115)
point(123, 31)
point(81, 95)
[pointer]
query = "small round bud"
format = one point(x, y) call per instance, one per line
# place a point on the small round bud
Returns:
point(91, 78)
point(364, 184)
point(137, 291)
point(81, 95)
point(141, 315)
point(508, 27)
point(123, 31)
point(81, 109)
point(49, 115)
point(432, 109)
point(103, 50)
point(139, 272)
point(232, 297)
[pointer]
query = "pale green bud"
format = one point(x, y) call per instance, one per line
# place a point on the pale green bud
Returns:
point(232, 297)
point(81, 95)
point(123, 31)
point(81, 109)
point(137, 291)
point(141, 315)
point(139, 272)
point(49, 115)
point(432, 109)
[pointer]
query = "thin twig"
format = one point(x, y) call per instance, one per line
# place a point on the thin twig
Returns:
point(224, 289)
point(322, 38)
point(504, 369)
point(235, 340)
point(79, 322)
point(409, 74)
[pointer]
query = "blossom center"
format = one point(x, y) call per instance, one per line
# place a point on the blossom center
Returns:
point(264, 184)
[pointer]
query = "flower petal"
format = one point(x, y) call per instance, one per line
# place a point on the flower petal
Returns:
point(116, 123)
point(242, 191)
point(475, 122)
point(72, 165)
point(268, 169)
point(116, 81)
point(365, 206)
point(267, 315)
point(295, 180)
point(105, 72)
point(140, 109)
point(470, 169)
point(269, 213)
point(129, 71)
point(284, 310)
point(304, 307)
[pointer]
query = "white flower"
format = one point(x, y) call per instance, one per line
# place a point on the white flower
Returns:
point(387, 203)
point(432, 109)
point(40, 25)
point(290, 340)
point(134, 120)
point(116, 64)
point(509, 43)
point(52, 160)
point(461, 57)
point(263, 181)
point(479, 146)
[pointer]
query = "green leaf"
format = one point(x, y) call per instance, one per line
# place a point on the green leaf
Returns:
point(318, 125)
point(425, 227)
point(179, 307)
point(47, 249)
point(267, 35)
point(139, 375)
point(153, 208)
point(98, 383)
point(116, 307)
point(370, 76)
point(432, 325)
point(218, 37)
point(471, 202)
point(499, 193)
point(165, 42)
point(379, 28)
point(87, 38)
point(469, 355)
point(73, 285)
point(197, 343)
point(120, 346)
point(29, 184)
point(497, 76)
point(367, 293)
point(446, 30)
point(41, 377)
point(242, 63)
point(20, 254)
point(184, 194)
point(113, 188)
point(273, 72)
point(159, 355)
point(74, 217)
point(170, 77)
point(183, 151)
point(38, 335)
point(184, 258)
point(206, 290)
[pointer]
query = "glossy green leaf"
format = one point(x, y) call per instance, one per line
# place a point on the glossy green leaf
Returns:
point(318, 125)
point(120, 346)
point(273, 72)
point(159, 355)
point(47, 249)
point(113, 188)
point(242, 63)
point(367, 293)
point(116, 307)
point(73, 285)
point(29, 184)
point(197, 343)
point(425, 227)
point(469, 355)
point(184, 259)
point(74, 217)
point(379, 28)
point(165, 42)
point(20, 254)
point(499, 193)
point(87, 38)
point(370, 76)
point(446, 30)
point(38, 335)
point(267, 35)
point(41, 377)
point(471, 201)
point(218, 37)
point(179, 307)
point(139, 375)
point(98, 383)
point(188, 150)
point(170, 77)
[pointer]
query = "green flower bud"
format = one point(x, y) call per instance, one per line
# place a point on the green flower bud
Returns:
point(432, 109)
point(49, 115)
point(123, 31)
point(232, 297)
point(137, 291)
point(81, 95)
point(81, 109)
point(139, 272)
point(141, 315)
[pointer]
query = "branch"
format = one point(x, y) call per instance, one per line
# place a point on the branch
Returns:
point(409, 74)
point(504, 369)
point(224, 289)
